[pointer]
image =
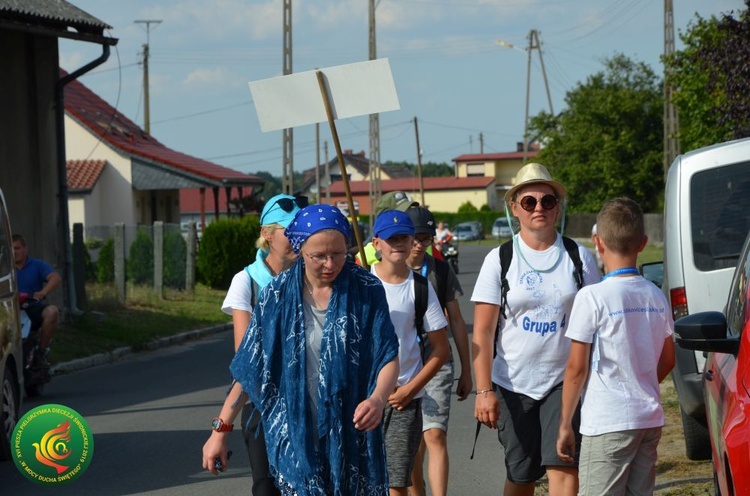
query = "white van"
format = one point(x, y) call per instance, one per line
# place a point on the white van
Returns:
point(706, 220)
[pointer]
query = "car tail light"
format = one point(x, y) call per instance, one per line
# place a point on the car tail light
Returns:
point(678, 300)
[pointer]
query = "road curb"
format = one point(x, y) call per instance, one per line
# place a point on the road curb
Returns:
point(118, 353)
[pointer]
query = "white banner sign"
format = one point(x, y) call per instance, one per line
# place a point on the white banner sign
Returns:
point(295, 100)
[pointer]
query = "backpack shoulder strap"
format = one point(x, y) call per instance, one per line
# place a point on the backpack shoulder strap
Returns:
point(572, 248)
point(506, 255)
point(441, 277)
point(254, 289)
point(420, 303)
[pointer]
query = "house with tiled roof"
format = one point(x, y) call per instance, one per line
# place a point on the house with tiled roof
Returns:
point(357, 169)
point(502, 166)
point(141, 178)
point(443, 194)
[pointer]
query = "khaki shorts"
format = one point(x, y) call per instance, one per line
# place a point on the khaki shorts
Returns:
point(619, 463)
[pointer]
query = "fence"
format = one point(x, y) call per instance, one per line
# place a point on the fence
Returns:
point(161, 255)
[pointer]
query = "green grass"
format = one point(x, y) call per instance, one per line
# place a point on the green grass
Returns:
point(107, 324)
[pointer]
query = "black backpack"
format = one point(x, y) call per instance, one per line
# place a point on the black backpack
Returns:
point(421, 297)
point(420, 307)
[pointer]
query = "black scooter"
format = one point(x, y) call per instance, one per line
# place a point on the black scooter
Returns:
point(449, 252)
point(35, 366)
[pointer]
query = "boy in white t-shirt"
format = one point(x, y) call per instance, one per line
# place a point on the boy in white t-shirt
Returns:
point(402, 420)
point(622, 348)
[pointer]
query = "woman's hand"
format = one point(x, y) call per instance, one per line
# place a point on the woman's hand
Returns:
point(487, 409)
point(368, 414)
point(215, 448)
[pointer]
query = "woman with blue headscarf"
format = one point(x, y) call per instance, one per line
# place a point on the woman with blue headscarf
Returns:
point(322, 343)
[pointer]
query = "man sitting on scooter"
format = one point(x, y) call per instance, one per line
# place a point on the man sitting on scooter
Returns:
point(37, 279)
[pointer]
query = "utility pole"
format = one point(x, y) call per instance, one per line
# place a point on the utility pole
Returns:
point(146, 98)
point(328, 173)
point(419, 161)
point(534, 44)
point(375, 184)
point(287, 140)
point(317, 162)
point(671, 117)
point(481, 143)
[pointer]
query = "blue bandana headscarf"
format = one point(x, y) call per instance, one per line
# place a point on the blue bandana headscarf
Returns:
point(358, 340)
point(314, 218)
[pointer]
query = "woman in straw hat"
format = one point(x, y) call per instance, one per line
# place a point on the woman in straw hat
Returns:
point(519, 391)
point(319, 360)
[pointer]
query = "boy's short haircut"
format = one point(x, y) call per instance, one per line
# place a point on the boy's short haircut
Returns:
point(620, 225)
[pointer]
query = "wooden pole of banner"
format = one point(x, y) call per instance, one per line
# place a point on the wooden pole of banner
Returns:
point(344, 177)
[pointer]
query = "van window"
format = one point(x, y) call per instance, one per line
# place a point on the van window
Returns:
point(719, 214)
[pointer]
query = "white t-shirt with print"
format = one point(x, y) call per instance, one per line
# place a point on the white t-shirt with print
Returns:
point(532, 350)
point(626, 319)
point(401, 308)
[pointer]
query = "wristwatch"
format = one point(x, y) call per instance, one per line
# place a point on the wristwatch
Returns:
point(219, 426)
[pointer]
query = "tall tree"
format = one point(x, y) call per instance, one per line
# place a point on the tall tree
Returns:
point(608, 141)
point(711, 76)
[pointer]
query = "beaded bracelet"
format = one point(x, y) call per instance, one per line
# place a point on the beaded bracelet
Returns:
point(484, 391)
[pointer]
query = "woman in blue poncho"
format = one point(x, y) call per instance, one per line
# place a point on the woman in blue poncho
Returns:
point(319, 360)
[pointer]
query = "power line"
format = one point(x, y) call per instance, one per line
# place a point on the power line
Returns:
point(204, 112)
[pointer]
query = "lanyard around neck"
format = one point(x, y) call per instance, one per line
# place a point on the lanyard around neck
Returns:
point(625, 271)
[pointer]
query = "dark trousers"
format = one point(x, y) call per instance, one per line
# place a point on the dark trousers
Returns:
point(263, 483)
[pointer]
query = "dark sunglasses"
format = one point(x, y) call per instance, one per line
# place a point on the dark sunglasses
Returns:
point(528, 203)
point(287, 204)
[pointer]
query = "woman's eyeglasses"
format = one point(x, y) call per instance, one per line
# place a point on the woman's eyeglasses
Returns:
point(321, 260)
point(528, 203)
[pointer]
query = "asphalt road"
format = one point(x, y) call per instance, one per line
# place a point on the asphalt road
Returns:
point(150, 414)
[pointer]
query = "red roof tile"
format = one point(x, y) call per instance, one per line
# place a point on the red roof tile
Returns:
point(120, 132)
point(412, 184)
point(83, 174)
point(488, 157)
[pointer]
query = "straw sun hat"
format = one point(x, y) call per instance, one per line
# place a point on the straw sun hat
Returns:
point(534, 173)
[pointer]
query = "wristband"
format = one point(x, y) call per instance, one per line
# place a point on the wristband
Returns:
point(484, 391)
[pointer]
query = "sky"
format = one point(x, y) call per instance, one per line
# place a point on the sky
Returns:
point(459, 68)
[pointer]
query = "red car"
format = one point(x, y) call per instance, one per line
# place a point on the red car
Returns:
point(726, 379)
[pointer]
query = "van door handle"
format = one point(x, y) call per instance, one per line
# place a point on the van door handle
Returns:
point(709, 375)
